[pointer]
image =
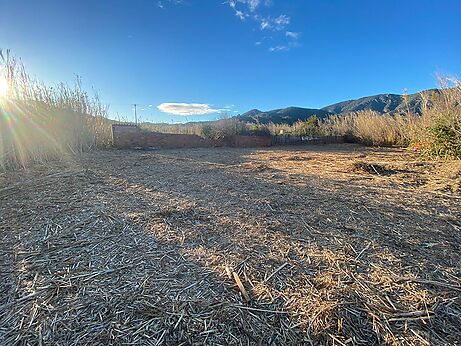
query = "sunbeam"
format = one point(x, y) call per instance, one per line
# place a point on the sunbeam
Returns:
point(3, 86)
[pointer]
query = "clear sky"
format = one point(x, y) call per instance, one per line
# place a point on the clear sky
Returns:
point(232, 56)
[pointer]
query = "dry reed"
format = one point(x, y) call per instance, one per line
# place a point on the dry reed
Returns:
point(435, 132)
point(40, 122)
point(373, 128)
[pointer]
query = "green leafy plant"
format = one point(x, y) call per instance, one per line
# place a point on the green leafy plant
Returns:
point(309, 127)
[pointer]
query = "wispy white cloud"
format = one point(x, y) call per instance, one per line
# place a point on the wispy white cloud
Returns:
point(264, 23)
point(253, 9)
point(292, 34)
point(281, 22)
point(284, 47)
point(279, 48)
point(270, 23)
point(186, 109)
point(161, 3)
point(252, 4)
point(241, 15)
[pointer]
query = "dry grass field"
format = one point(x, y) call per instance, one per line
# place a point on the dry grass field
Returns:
point(333, 245)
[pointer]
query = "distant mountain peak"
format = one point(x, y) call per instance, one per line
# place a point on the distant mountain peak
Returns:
point(252, 112)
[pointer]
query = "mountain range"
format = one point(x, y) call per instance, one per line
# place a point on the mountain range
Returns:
point(282, 116)
point(382, 103)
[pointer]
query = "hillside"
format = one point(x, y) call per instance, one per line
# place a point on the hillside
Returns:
point(285, 115)
point(382, 103)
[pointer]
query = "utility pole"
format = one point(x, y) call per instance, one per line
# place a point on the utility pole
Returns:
point(135, 114)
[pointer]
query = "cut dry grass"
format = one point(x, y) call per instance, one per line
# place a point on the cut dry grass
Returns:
point(142, 247)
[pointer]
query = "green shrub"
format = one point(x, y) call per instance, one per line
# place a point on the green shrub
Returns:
point(257, 130)
point(445, 141)
point(440, 131)
point(309, 127)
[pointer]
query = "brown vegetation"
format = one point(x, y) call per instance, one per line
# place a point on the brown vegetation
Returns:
point(39, 122)
point(436, 132)
point(159, 247)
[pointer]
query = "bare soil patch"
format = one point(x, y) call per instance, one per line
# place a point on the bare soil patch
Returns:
point(136, 247)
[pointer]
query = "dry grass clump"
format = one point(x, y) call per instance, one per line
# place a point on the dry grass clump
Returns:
point(39, 122)
point(373, 128)
point(436, 132)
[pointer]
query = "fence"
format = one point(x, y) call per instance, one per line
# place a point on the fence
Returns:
point(130, 136)
point(296, 140)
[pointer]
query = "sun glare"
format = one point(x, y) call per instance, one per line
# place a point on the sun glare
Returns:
point(3, 86)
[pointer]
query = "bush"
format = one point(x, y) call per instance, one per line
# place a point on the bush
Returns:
point(440, 133)
point(208, 132)
point(446, 141)
point(309, 127)
point(257, 130)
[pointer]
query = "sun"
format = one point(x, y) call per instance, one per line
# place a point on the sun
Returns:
point(3, 86)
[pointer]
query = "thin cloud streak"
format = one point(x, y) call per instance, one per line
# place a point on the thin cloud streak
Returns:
point(293, 35)
point(279, 48)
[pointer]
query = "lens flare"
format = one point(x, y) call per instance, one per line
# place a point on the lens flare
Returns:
point(3, 86)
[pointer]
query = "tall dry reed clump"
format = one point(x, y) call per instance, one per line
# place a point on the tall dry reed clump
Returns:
point(373, 128)
point(40, 122)
point(435, 131)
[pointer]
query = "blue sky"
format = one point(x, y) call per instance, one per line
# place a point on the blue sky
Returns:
point(180, 58)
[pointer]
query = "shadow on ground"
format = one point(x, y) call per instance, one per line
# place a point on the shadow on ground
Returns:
point(132, 247)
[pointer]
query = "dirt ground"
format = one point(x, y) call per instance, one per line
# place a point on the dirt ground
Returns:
point(333, 245)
